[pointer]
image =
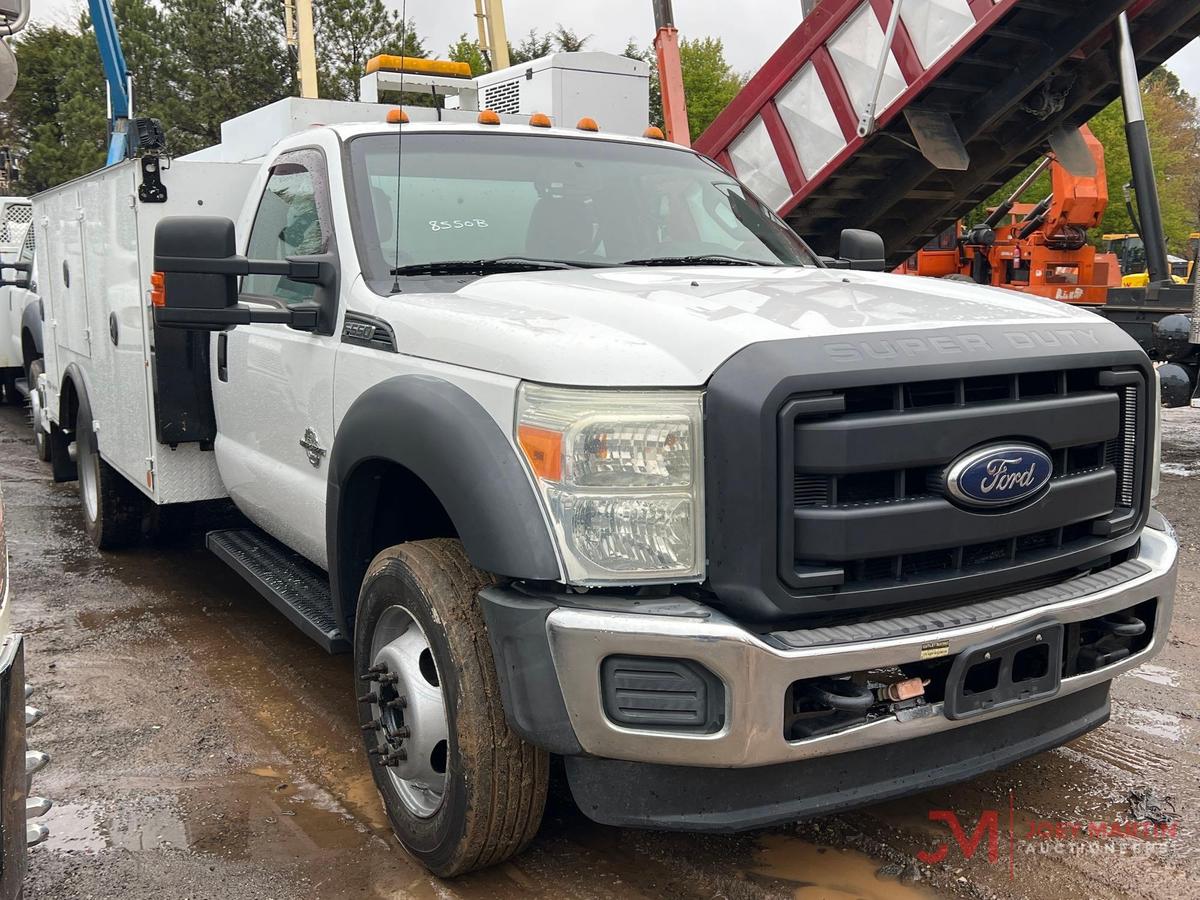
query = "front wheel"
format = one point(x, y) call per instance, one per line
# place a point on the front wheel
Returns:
point(461, 789)
point(41, 439)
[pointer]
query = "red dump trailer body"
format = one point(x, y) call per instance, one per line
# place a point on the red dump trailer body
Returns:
point(992, 79)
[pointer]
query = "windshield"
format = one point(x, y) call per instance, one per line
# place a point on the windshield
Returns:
point(520, 200)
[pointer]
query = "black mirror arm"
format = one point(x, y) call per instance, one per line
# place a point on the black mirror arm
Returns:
point(302, 317)
point(304, 270)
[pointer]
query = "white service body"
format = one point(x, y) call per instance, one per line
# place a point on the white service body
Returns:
point(95, 246)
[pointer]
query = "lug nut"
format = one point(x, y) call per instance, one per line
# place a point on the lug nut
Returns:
point(371, 726)
point(400, 702)
point(400, 732)
point(369, 697)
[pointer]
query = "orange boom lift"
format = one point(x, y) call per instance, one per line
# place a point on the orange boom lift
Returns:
point(1038, 249)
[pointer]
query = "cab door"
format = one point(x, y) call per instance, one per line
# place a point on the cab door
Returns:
point(273, 385)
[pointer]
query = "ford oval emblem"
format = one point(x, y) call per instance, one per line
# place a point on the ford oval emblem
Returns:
point(999, 475)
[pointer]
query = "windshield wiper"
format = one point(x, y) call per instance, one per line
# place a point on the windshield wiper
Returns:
point(486, 266)
point(706, 259)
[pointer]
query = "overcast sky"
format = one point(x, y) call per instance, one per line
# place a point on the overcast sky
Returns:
point(751, 30)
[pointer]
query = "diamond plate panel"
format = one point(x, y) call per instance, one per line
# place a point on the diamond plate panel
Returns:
point(757, 165)
point(855, 49)
point(935, 26)
point(810, 121)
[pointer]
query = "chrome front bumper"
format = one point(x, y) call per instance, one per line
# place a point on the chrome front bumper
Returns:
point(757, 675)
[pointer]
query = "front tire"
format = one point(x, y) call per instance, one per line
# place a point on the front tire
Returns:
point(112, 507)
point(461, 789)
point(41, 440)
point(8, 382)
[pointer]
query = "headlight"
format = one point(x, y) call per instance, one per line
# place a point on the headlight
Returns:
point(621, 473)
point(1156, 444)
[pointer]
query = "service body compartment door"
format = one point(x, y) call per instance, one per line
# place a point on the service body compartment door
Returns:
point(111, 279)
point(63, 280)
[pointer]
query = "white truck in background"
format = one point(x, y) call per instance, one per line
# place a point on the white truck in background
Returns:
point(16, 260)
point(581, 451)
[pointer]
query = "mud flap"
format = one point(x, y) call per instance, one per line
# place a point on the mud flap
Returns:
point(1024, 666)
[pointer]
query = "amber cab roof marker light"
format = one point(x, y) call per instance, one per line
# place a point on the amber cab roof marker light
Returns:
point(587, 124)
point(489, 117)
point(540, 120)
point(654, 133)
point(397, 117)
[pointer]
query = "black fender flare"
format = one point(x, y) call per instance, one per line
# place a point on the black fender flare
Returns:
point(72, 374)
point(31, 321)
point(441, 434)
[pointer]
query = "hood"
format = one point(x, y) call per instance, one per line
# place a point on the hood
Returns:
point(673, 327)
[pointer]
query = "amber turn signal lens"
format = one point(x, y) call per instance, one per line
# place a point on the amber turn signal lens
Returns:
point(654, 133)
point(543, 449)
point(539, 120)
point(489, 117)
point(587, 124)
point(397, 117)
point(158, 289)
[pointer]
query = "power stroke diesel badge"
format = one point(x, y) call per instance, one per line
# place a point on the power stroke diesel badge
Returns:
point(999, 475)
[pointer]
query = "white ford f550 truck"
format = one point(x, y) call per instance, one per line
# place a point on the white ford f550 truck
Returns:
point(580, 451)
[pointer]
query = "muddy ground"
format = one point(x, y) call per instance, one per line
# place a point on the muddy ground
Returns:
point(202, 748)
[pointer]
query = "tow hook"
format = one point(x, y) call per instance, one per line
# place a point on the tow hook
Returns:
point(825, 705)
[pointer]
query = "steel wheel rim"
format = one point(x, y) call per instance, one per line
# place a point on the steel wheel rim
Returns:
point(35, 410)
point(89, 477)
point(408, 732)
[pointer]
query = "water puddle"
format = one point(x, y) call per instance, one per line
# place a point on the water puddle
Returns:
point(1166, 726)
point(155, 823)
point(1156, 675)
point(823, 873)
point(1180, 469)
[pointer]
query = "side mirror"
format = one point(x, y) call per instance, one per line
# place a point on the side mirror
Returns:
point(861, 250)
point(19, 279)
point(196, 268)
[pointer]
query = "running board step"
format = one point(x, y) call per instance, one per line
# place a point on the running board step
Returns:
point(291, 584)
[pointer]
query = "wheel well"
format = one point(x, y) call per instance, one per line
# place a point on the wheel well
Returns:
point(68, 404)
point(383, 504)
point(29, 351)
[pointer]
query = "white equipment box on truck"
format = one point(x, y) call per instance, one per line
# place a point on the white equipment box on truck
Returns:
point(95, 241)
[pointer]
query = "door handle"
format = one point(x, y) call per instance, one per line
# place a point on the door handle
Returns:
point(222, 356)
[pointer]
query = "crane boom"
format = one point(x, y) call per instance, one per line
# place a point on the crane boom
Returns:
point(116, 74)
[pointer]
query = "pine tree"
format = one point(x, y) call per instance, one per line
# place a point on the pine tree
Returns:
point(467, 50)
point(349, 34)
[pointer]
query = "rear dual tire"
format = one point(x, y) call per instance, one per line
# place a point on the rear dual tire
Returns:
point(420, 628)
